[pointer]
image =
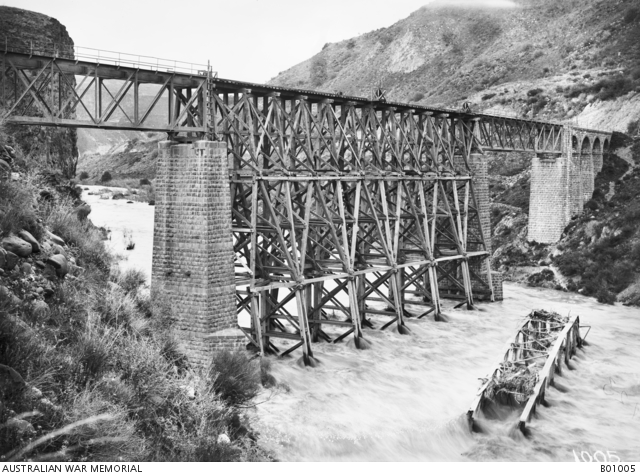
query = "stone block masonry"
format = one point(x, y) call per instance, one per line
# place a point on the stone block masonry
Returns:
point(193, 249)
point(548, 200)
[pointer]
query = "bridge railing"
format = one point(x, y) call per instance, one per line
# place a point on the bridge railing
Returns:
point(116, 58)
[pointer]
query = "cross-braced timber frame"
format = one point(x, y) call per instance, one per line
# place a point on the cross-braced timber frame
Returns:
point(345, 210)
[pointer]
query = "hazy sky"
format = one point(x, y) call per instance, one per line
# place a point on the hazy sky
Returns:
point(250, 40)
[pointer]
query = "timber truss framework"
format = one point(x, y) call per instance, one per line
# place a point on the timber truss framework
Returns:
point(345, 210)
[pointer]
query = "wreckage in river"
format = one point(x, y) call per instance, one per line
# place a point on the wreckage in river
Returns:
point(531, 360)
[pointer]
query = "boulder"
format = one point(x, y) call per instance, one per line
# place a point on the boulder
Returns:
point(20, 426)
point(28, 237)
point(26, 268)
point(40, 310)
point(118, 196)
point(60, 264)
point(40, 264)
point(17, 246)
point(56, 239)
point(7, 296)
point(58, 250)
point(8, 260)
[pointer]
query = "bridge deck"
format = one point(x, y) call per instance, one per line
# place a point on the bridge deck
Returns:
point(41, 89)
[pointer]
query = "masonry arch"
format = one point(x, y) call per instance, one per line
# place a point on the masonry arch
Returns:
point(597, 146)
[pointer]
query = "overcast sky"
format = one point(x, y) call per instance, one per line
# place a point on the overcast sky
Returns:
point(249, 40)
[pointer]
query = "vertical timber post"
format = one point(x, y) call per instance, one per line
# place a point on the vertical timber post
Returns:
point(193, 249)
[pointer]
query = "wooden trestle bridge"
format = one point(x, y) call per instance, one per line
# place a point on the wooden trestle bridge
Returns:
point(347, 207)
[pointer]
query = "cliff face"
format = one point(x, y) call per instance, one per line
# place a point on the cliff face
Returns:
point(578, 53)
point(52, 147)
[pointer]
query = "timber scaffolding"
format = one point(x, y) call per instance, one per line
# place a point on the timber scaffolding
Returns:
point(340, 204)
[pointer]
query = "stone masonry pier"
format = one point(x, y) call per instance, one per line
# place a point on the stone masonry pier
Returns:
point(562, 183)
point(193, 250)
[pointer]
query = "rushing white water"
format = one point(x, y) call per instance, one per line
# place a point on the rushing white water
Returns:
point(120, 217)
point(406, 397)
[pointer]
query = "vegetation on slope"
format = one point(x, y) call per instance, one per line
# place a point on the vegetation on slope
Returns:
point(90, 367)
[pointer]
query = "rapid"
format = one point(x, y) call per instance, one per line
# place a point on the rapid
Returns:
point(406, 398)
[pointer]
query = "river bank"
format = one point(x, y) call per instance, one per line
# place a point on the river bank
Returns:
point(406, 398)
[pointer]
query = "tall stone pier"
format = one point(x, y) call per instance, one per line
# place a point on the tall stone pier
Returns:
point(192, 247)
point(549, 198)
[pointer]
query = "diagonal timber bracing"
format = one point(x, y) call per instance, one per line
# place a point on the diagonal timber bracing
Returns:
point(345, 211)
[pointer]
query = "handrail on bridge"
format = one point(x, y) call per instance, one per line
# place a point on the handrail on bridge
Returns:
point(116, 58)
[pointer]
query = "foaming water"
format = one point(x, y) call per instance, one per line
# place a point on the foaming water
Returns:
point(406, 398)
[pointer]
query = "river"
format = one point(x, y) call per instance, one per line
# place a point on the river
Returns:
point(405, 399)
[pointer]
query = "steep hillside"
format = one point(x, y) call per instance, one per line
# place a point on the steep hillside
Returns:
point(578, 53)
point(51, 147)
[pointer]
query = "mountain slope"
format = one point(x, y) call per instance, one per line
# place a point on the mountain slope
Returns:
point(443, 55)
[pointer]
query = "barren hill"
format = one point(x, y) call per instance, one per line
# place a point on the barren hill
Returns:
point(575, 53)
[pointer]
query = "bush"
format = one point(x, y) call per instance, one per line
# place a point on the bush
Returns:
point(145, 181)
point(416, 97)
point(234, 377)
point(631, 15)
point(351, 44)
point(63, 221)
point(17, 211)
point(83, 175)
point(106, 177)
point(318, 72)
point(488, 96)
point(605, 296)
point(534, 92)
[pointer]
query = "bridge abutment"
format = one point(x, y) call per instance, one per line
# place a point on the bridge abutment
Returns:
point(193, 250)
point(549, 198)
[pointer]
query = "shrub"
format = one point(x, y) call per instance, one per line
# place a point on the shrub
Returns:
point(129, 280)
point(351, 44)
point(416, 97)
point(17, 210)
point(63, 221)
point(106, 177)
point(144, 181)
point(234, 377)
point(631, 15)
point(318, 72)
point(534, 92)
point(488, 96)
point(605, 296)
point(83, 175)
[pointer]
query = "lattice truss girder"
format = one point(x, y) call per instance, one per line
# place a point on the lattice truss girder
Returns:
point(64, 92)
point(271, 134)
